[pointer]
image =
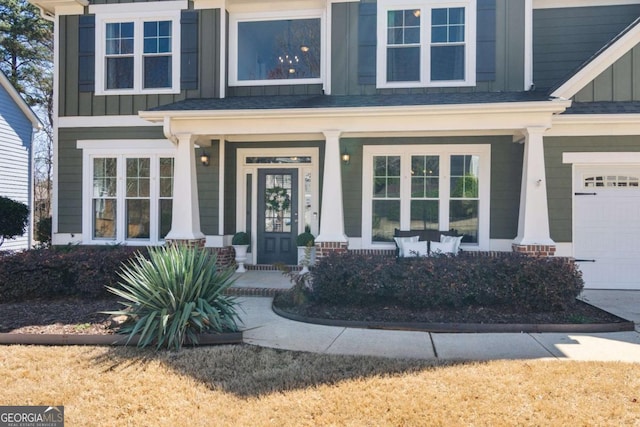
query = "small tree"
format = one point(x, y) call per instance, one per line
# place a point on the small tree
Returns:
point(14, 217)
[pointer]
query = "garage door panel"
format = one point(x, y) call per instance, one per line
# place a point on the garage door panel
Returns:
point(606, 227)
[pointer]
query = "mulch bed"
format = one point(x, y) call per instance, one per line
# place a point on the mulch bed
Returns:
point(578, 313)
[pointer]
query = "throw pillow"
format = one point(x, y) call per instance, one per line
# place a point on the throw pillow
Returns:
point(456, 239)
point(443, 247)
point(400, 241)
point(416, 249)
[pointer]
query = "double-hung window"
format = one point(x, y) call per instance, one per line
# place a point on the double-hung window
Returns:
point(426, 187)
point(138, 53)
point(428, 43)
point(272, 49)
point(128, 195)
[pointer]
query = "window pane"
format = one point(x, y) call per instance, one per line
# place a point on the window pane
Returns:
point(386, 180)
point(120, 73)
point(150, 29)
point(138, 218)
point(166, 215)
point(439, 35)
point(425, 215)
point(284, 49)
point(447, 63)
point(403, 64)
point(386, 218)
point(412, 18)
point(463, 217)
point(395, 18)
point(439, 17)
point(464, 176)
point(104, 218)
point(157, 71)
point(166, 177)
point(456, 34)
point(456, 15)
point(138, 175)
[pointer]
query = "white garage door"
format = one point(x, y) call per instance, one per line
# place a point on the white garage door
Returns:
point(606, 226)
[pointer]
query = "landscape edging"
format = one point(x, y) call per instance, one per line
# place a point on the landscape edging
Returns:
point(111, 339)
point(464, 327)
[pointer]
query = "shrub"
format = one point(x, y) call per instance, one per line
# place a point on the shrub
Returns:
point(14, 217)
point(240, 238)
point(305, 239)
point(174, 295)
point(512, 282)
point(61, 271)
point(43, 231)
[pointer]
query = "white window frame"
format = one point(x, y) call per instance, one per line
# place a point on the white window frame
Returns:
point(235, 19)
point(121, 150)
point(483, 151)
point(153, 11)
point(425, 8)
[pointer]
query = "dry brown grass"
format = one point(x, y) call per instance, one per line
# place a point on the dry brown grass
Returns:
point(249, 386)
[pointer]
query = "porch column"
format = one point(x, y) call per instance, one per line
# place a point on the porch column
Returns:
point(185, 222)
point(533, 223)
point(331, 237)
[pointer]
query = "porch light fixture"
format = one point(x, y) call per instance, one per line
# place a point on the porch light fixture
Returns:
point(346, 158)
point(204, 159)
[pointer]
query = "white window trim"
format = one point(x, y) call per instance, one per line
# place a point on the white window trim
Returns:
point(425, 43)
point(102, 19)
point(234, 19)
point(121, 149)
point(483, 151)
point(243, 169)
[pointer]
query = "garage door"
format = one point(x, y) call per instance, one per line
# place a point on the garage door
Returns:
point(606, 222)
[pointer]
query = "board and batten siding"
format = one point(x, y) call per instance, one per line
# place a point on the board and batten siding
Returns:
point(619, 82)
point(353, 59)
point(565, 38)
point(16, 132)
point(506, 175)
point(76, 100)
point(559, 175)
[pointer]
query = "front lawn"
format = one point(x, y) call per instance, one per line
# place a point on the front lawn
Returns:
point(250, 386)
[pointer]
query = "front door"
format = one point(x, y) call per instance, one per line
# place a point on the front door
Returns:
point(277, 216)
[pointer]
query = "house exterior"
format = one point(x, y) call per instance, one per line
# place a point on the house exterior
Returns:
point(17, 124)
point(513, 122)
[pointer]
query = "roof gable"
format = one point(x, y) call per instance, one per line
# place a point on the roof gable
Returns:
point(19, 101)
point(599, 62)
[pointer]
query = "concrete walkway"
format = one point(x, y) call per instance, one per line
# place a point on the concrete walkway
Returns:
point(263, 327)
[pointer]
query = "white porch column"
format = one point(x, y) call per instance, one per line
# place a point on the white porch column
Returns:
point(185, 223)
point(332, 214)
point(533, 222)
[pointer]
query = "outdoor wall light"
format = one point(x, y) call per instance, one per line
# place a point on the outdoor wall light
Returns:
point(346, 158)
point(204, 159)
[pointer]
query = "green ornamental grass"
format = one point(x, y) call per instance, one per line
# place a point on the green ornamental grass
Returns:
point(174, 295)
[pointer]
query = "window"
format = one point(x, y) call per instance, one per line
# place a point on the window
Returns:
point(426, 44)
point(426, 188)
point(611, 181)
point(275, 50)
point(131, 198)
point(138, 52)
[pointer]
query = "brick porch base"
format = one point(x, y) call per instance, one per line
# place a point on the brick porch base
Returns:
point(534, 250)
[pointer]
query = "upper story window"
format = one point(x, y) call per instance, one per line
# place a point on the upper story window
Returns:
point(138, 52)
point(272, 49)
point(426, 43)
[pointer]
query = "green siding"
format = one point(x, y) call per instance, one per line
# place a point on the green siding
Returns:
point(509, 57)
point(506, 172)
point(208, 188)
point(75, 103)
point(559, 175)
point(619, 82)
point(69, 168)
point(564, 38)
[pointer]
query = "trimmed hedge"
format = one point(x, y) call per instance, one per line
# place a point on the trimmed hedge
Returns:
point(513, 282)
point(56, 272)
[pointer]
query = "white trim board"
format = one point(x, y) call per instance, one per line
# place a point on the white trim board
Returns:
point(557, 4)
point(597, 158)
point(102, 121)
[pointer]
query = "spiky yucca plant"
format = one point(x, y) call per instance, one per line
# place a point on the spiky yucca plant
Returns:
point(174, 295)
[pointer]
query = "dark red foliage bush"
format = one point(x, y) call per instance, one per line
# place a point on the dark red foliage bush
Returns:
point(57, 272)
point(510, 281)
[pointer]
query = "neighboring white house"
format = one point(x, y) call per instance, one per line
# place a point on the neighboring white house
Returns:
point(17, 123)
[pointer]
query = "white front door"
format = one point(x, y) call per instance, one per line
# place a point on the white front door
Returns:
point(606, 225)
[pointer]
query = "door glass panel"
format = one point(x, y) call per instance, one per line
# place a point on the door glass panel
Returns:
point(307, 200)
point(278, 203)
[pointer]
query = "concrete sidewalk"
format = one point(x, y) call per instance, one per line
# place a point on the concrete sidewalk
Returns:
point(264, 328)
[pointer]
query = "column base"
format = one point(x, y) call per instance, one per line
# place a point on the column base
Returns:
point(534, 250)
point(325, 248)
point(192, 243)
